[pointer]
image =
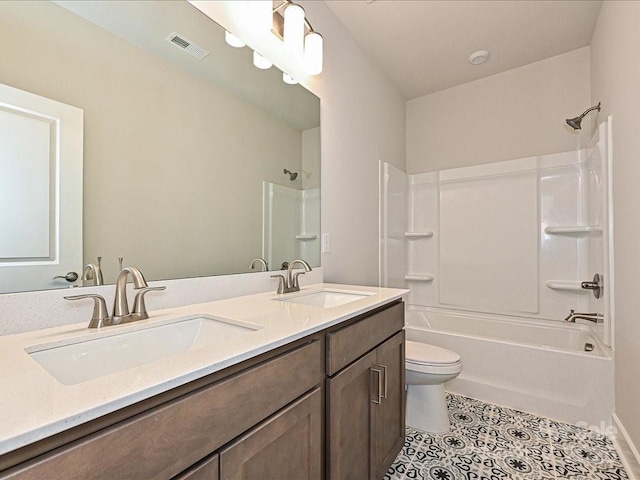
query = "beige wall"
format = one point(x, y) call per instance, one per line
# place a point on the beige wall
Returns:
point(173, 165)
point(615, 81)
point(515, 114)
point(363, 120)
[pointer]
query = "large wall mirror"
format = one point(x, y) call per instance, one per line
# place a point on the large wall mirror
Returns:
point(183, 159)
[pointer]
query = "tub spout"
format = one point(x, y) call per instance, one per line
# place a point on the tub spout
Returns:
point(592, 317)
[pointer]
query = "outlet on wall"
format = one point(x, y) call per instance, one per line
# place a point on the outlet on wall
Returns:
point(326, 243)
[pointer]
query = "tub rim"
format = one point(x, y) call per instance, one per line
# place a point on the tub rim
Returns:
point(601, 350)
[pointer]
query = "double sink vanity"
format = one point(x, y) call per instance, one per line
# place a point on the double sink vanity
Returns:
point(266, 386)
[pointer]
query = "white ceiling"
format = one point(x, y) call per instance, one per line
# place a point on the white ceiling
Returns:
point(423, 45)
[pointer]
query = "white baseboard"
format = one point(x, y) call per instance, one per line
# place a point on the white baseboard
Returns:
point(627, 450)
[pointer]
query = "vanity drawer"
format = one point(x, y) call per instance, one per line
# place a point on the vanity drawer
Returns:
point(166, 440)
point(351, 342)
point(205, 470)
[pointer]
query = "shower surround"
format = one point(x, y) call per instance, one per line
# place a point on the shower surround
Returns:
point(509, 241)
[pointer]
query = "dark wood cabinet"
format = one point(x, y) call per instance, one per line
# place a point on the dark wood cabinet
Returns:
point(286, 446)
point(349, 421)
point(387, 435)
point(330, 405)
point(162, 442)
point(206, 470)
point(366, 403)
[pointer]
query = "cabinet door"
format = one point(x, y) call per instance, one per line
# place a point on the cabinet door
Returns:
point(387, 435)
point(349, 421)
point(287, 445)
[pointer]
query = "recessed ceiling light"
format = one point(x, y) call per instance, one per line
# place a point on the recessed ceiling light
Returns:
point(479, 57)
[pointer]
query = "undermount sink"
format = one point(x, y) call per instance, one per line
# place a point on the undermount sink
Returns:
point(93, 358)
point(327, 298)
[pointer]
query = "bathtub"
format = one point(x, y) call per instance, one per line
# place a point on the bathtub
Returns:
point(528, 364)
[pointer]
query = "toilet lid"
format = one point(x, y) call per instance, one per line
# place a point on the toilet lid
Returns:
point(423, 353)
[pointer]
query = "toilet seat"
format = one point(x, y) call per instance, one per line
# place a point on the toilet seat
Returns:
point(425, 358)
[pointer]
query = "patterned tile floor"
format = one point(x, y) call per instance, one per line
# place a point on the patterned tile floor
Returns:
point(488, 442)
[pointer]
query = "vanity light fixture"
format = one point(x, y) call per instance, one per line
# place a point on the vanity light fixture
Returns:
point(261, 62)
point(288, 79)
point(288, 22)
point(232, 40)
point(294, 23)
point(313, 45)
point(260, 13)
point(294, 38)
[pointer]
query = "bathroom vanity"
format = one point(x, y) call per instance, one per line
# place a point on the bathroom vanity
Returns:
point(316, 392)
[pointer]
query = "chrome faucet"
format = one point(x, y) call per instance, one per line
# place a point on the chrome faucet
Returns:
point(293, 277)
point(100, 317)
point(260, 261)
point(592, 317)
point(93, 271)
point(120, 305)
point(291, 282)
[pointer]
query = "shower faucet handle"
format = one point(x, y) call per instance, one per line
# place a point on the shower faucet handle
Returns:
point(595, 285)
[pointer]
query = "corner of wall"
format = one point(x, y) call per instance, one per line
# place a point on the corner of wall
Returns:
point(626, 449)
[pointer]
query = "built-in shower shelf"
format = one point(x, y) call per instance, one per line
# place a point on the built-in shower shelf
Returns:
point(425, 234)
point(572, 229)
point(419, 278)
point(305, 238)
point(565, 285)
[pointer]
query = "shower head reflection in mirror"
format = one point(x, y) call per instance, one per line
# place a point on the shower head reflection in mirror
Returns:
point(292, 175)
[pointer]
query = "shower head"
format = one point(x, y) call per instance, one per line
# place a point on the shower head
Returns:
point(292, 175)
point(575, 122)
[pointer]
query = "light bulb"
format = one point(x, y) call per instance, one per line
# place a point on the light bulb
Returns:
point(294, 28)
point(232, 40)
point(313, 44)
point(261, 62)
point(261, 15)
point(286, 78)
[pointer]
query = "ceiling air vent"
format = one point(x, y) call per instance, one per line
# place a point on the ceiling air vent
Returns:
point(183, 44)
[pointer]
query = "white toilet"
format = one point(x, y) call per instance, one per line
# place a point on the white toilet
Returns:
point(427, 368)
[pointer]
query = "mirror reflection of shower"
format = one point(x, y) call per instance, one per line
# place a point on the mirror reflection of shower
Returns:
point(291, 225)
point(292, 175)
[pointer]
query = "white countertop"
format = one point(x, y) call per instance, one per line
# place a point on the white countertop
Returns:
point(34, 405)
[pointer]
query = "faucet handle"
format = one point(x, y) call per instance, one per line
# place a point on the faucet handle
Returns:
point(296, 282)
point(281, 282)
point(100, 313)
point(139, 307)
